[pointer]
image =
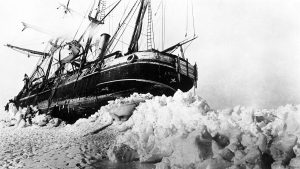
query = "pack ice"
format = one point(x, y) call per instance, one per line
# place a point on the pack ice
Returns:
point(184, 132)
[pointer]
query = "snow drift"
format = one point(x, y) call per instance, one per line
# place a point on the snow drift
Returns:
point(184, 132)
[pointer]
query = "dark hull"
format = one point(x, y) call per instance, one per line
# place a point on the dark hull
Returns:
point(85, 94)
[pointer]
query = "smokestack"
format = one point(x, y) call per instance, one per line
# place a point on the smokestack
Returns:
point(103, 45)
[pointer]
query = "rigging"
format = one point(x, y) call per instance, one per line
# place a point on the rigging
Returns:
point(163, 26)
point(133, 47)
point(121, 24)
point(149, 28)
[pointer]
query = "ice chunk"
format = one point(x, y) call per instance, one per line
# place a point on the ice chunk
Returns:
point(122, 153)
point(295, 163)
point(282, 149)
point(262, 142)
point(214, 163)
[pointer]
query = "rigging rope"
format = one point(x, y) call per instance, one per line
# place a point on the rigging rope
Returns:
point(193, 17)
point(125, 9)
point(118, 39)
point(158, 7)
point(123, 15)
point(134, 8)
point(187, 46)
point(121, 23)
point(153, 40)
point(132, 27)
point(163, 25)
point(187, 18)
point(86, 13)
point(16, 37)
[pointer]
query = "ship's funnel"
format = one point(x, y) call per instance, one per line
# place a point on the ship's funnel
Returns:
point(103, 45)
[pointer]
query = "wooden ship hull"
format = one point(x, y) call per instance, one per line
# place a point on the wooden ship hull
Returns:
point(82, 94)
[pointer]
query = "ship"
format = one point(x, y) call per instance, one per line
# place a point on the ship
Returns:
point(72, 86)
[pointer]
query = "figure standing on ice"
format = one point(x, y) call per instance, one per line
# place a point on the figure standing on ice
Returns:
point(29, 114)
point(26, 81)
point(6, 106)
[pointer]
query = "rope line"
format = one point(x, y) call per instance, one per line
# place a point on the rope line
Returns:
point(193, 17)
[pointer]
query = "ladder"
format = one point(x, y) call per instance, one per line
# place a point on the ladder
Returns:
point(102, 10)
point(149, 27)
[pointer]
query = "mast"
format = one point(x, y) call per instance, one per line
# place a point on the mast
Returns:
point(48, 68)
point(28, 51)
point(100, 10)
point(53, 49)
point(95, 22)
point(100, 19)
point(133, 46)
point(121, 24)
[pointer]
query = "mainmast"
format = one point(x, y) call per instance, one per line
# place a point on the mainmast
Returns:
point(100, 13)
point(133, 46)
point(96, 20)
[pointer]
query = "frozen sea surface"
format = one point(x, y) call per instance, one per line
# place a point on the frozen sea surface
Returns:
point(175, 132)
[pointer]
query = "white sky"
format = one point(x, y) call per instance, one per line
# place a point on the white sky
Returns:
point(248, 52)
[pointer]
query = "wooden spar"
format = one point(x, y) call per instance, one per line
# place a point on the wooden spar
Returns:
point(133, 46)
point(29, 51)
point(174, 47)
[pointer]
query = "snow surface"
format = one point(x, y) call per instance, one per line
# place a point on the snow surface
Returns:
point(174, 132)
point(183, 131)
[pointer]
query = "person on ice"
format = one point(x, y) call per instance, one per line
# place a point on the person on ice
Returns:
point(29, 115)
point(26, 81)
point(6, 107)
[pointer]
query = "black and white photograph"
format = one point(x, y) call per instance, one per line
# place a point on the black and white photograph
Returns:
point(150, 84)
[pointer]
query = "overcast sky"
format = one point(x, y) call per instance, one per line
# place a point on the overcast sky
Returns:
point(247, 51)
